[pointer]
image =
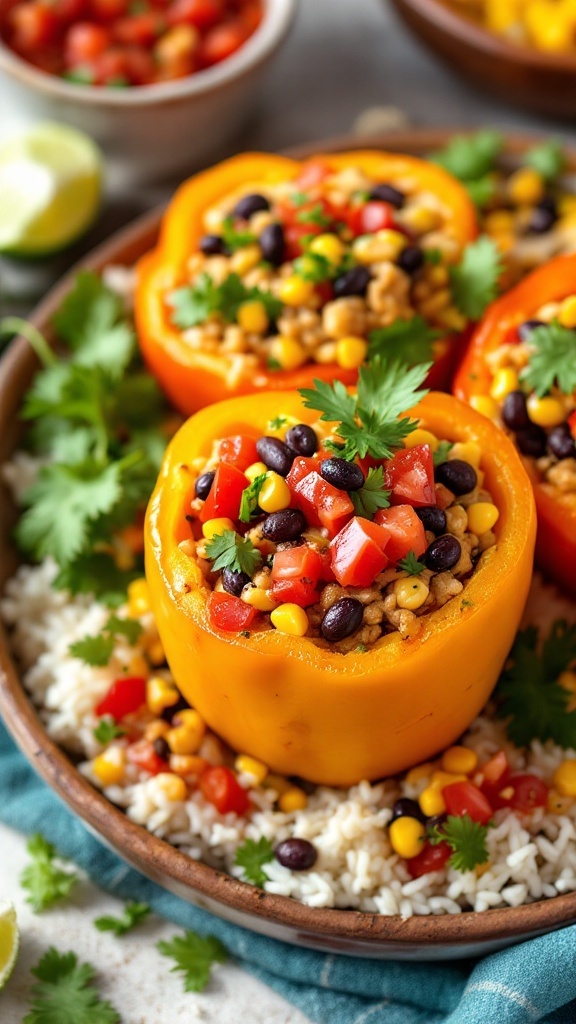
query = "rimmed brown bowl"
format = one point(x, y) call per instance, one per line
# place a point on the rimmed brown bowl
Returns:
point(341, 931)
point(520, 74)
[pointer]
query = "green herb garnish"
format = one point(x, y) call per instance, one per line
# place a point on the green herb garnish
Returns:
point(411, 341)
point(45, 881)
point(411, 565)
point(314, 267)
point(229, 550)
point(193, 304)
point(315, 215)
point(64, 994)
point(442, 452)
point(465, 837)
point(234, 239)
point(372, 495)
point(194, 956)
point(475, 279)
point(251, 857)
point(548, 159)
point(133, 914)
point(107, 730)
point(470, 157)
point(97, 650)
point(552, 359)
point(249, 499)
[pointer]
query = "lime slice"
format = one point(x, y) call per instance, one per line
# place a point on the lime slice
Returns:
point(50, 186)
point(9, 942)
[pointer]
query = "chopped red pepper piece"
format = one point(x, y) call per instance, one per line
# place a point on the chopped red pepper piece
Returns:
point(225, 494)
point(405, 529)
point(410, 477)
point(358, 553)
point(125, 696)
point(239, 451)
point(230, 613)
point(221, 788)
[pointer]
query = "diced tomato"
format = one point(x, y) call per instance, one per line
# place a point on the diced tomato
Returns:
point(300, 468)
point(221, 788)
point(144, 756)
point(139, 29)
point(230, 613)
point(111, 66)
point(295, 573)
point(225, 494)
point(35, 25)
point(70, 10)
point(371, 217)
point(321, 503)
point(358, 553)
point(126, 695)
point(239, 451)
point(495, 771)
point(430, 858)
point(410, 477)
point(203, 14)
point(405, 530)
point(464, 798)
point(140, 66)
point(327, 574)
point(293, 235)
point(523, 793)
point(108, 10)
point(572, 423)
point(221, 42)
point(312, 174)
point(85, 42)
point(300, 592)
point(251, 15)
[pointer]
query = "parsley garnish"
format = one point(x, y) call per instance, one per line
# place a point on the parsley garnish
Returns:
point(411, 565)
point(63, 993)
point(298, 198)
point(442, 452)
point(194, 956)
point(92, 321)
point(277, 423)
point(273, 364)
point(249, 499)
point(475, 279)
point(481, 191)
point(408, 340)
point(314, 267)
point(368, 421)
point(552, 359)
point(315, 215)
point(229, 550)
point(372, 495)
point(97, 650)
point(433, 257)
point(465, 837)
point(251, 857)
point(45, 881)
point(529, 693)
point(107, 730)
point(470, 157)
point(235, 239)
point(361, 648)
point(133, 914)
point(548, 158)
point(193, 304)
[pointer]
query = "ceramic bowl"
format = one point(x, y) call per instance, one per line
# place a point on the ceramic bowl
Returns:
point(150, 132)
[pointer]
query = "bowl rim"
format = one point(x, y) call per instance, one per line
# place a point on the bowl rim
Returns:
point(475, 36)
point(349, 931)
point(277, 20)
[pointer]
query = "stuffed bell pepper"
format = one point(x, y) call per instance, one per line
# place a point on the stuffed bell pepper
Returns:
point(337, 582)
point(520, 370)
point(269, 272)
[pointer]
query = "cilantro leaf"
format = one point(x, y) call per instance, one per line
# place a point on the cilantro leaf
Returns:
point(410, 341)
point(229, 550)
point(314, 267)
point(107, 730)
point(97, 650)
point(96, 573)
point(529, 694)
point(194, 956)
point(251, 856)
point(133, 914)
point(465, 837)
point(548, 158)
point(277, 422)
point(91, 320)
point(315, 215)
point(482, 191)
point(234, 239)
point(45, 881)
point(411, 565)
point(193, 304)
point(63, 993)
point(249, 499)
point(332, 400)
point(552, 359)
point(442, 452)
point(372, 495)
point(470, 157)
point(475, 279)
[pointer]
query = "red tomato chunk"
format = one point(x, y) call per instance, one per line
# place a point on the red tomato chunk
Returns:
point(358, 553)
point(223, 501)
point(240, 451)
point(321, 503)
point(143, 755)
point(430, 858)
point(295, 574)
point(464, 798)
point(230, 613)
point(221, 788)
point(410, 477)
point(405, 530)
point(125, 696)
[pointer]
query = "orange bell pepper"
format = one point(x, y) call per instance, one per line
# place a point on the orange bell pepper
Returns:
point(299, 707)
point(556, 539)
point(193, 379)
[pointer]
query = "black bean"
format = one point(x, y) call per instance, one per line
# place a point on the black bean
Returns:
point(161, 748)
point(302, 439)
point(342, 619)
point(296, 854)
point(203, 485)
point(532, 441)
point(275, 454)
point(541, 220)
point(525, 329)
point(181, 705)
point(250, 204)
point(406, 808)
point(411, 259)
point(514, 411)
point(285, 525)
point(347, 476)
point(549, 203)
point(272, 244)
point(388, 194)
point(353, 282)
point(234, 582)
point(432, 518)
point(458, 476)
point(443, 553)
point(561, 442)
point(213, 245)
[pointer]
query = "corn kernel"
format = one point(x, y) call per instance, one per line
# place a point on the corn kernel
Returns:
point(546, 412)
point(274, 493)
point(421, 219)
point(410, 593)
point(351, 352)
point(505, 380)
point(291, 619)
point(109, 766)
point(451, 318)
point(214, 527)
point(156, 729)
point(567, 314)
point(485, 405)
point(329, 246)
point(252, 317)
point(294, 799)
point(420, 772)
point(178, 42)
point(407, 837)
point(187, 732)
point(138, 666)
point(258, 598)
point(468, 451)
point(431, 801)
point(557, 803)
point(420, 436)
point(288, 352)
point(278, 783)
point(155, 653)
point(250, 766)
point(295, 291)
point(244, 260)
point(503, 15)
point(256, 469)
point(160, 694)
point(547, 28)
point(187, 764)
point(525, 187)
point(382, 246)
point(564, 778)
point(459, 760)
point(138, 598)
point(285, 423)
point(441, 779)
point(482, 516)
point(325, 353)
point(173, 787)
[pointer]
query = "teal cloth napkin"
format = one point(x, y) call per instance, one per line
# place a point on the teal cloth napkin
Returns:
point(535, 981)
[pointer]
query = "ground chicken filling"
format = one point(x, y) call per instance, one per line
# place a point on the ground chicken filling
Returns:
point(289, 537)
point(298, 272)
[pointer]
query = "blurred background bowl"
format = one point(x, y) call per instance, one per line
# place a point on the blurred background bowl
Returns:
point(522, 75)
point(156, 131)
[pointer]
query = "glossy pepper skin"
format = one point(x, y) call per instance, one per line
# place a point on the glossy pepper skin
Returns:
point(303, 710)
point(194, 379)
point(556, 539)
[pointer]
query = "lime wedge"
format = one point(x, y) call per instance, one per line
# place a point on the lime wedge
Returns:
point(9, 942)
point(50, 186)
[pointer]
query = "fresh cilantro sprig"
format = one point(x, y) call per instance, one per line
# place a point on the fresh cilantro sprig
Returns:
point(440, 456)
point(193, 304)
point(234, 239)
point(314, 267)
point(228, 550)
point(411, 341)
point(369, 422)
point(548, 158)
point(97, 650)
point(474, 280)
point(107, 730)
point(529, 694)
point(132, 915)
point(64, 993)
point(411, 565)
point(315, 215)
point(249, 499)
point(472, 159)
point(45, 881)
point(552, 359)
point(92, 321)
point(372, 495)
point(251, 857)
point(194, 956)
point(465, 837)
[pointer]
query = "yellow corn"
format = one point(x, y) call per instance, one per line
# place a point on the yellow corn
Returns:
point(252, 317)
point(258, 598)
point(109, 766)
point(274, 493)
point(546, 412)
point(441, 779)
point(567, 314)
point(245, 259)
point(505, 380)
point(278, 783)
point(525, 187)
point(329, 246)
point(420, 436)
point(468, 451)
point(256, 469)
point(564, 778)
point(291, 619)
point(547, 28)
point(503, 15)
point(557, 803)
point(420, 772)
point(431, 801)
point(138, 598)
point(247, 765)
point(421, 219)
point(138, 666)
point(407, 837)
point(288, 352)
point(499, 221)
point(187, 764)
point(155, 653)
point(187, 732)
point(382, 246)
point(214, 527)
point(294, 799)
point(351, 352)
point(459, 761)
point(160, 694)
point(485, 405)
point(482, 516)
point(410, 593)
point(295, 291)
point(178, 42)
point(173, 787)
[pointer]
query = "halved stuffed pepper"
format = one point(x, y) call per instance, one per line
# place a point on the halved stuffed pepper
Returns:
point(520, 370)
point(270, 272)
point(336, 583)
